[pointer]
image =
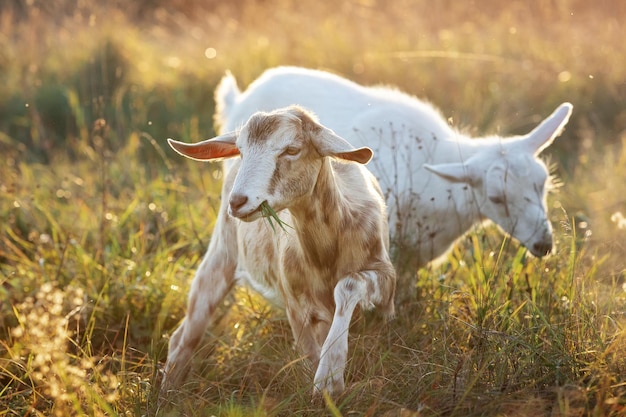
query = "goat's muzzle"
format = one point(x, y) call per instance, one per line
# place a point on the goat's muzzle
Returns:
point(239, 207)
point(237, 201)
point(541, 248)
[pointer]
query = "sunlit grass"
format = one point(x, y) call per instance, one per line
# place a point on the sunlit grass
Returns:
point(271, 216)
point(100, 231)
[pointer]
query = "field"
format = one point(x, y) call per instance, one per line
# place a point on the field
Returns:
point(102, 226)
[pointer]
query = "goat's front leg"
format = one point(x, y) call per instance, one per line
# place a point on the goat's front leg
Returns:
point(373, 288)
point(213, 280)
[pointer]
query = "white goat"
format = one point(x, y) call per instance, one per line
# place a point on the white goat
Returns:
point(437, 182)
point(334, 258)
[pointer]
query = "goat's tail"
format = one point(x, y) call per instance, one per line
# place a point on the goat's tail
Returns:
point(226, 94)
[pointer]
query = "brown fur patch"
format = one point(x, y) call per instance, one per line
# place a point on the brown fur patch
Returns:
point(309, 125)
point(260, 127)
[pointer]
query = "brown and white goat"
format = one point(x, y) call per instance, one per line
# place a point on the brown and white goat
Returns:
point(335, 258)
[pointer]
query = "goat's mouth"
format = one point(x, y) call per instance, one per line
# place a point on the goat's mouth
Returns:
point(266, 211)
point(541, 249)
point(262, 210)
point(246, 216)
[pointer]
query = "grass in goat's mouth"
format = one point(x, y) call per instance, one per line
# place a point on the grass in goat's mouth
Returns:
point(269, 213)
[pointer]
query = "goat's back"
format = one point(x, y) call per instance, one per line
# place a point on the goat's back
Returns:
point(338, 102)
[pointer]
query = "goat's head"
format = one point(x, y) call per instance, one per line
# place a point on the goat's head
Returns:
point(510, 183)
point(281, 156)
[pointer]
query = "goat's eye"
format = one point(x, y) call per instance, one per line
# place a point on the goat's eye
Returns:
point(291, 151)
point(496, 199)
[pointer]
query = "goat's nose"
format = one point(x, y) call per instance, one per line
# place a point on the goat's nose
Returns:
point(542, 248)
point(237, 201)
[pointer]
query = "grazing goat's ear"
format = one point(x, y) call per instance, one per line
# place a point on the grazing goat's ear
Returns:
point(328, 143)
point(453, 172)
point(214, 149)
point(466, 172)
point(542, 136)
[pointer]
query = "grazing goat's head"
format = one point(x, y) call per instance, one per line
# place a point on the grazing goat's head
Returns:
point(281, 157)
point(511, 183)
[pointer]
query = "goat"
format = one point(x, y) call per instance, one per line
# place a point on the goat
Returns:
point(335, 258)
point(438, 183)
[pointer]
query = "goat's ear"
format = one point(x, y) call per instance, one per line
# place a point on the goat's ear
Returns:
point(328, 143)
point(542, 136)
point(455, 172)
point(214, 149)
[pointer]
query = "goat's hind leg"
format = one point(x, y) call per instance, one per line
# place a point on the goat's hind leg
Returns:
point(212, 282)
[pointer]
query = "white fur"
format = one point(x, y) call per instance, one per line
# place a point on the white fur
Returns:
point(437, 182)
point(334, 258)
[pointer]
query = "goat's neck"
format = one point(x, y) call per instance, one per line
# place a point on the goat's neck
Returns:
point(468, 200)
point(316, 218)
point(457, 149)
point(447, 210)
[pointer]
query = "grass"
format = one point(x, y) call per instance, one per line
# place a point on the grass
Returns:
point(271, 216)
point(101, 226)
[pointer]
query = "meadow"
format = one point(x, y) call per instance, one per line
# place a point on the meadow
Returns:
point(102, 226)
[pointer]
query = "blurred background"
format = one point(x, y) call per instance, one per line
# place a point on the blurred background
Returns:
point(151, 65)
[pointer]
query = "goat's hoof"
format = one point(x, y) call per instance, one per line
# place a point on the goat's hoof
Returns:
point(330, 386)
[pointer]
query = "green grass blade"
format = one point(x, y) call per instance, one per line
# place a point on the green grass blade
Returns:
point(269, 213)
